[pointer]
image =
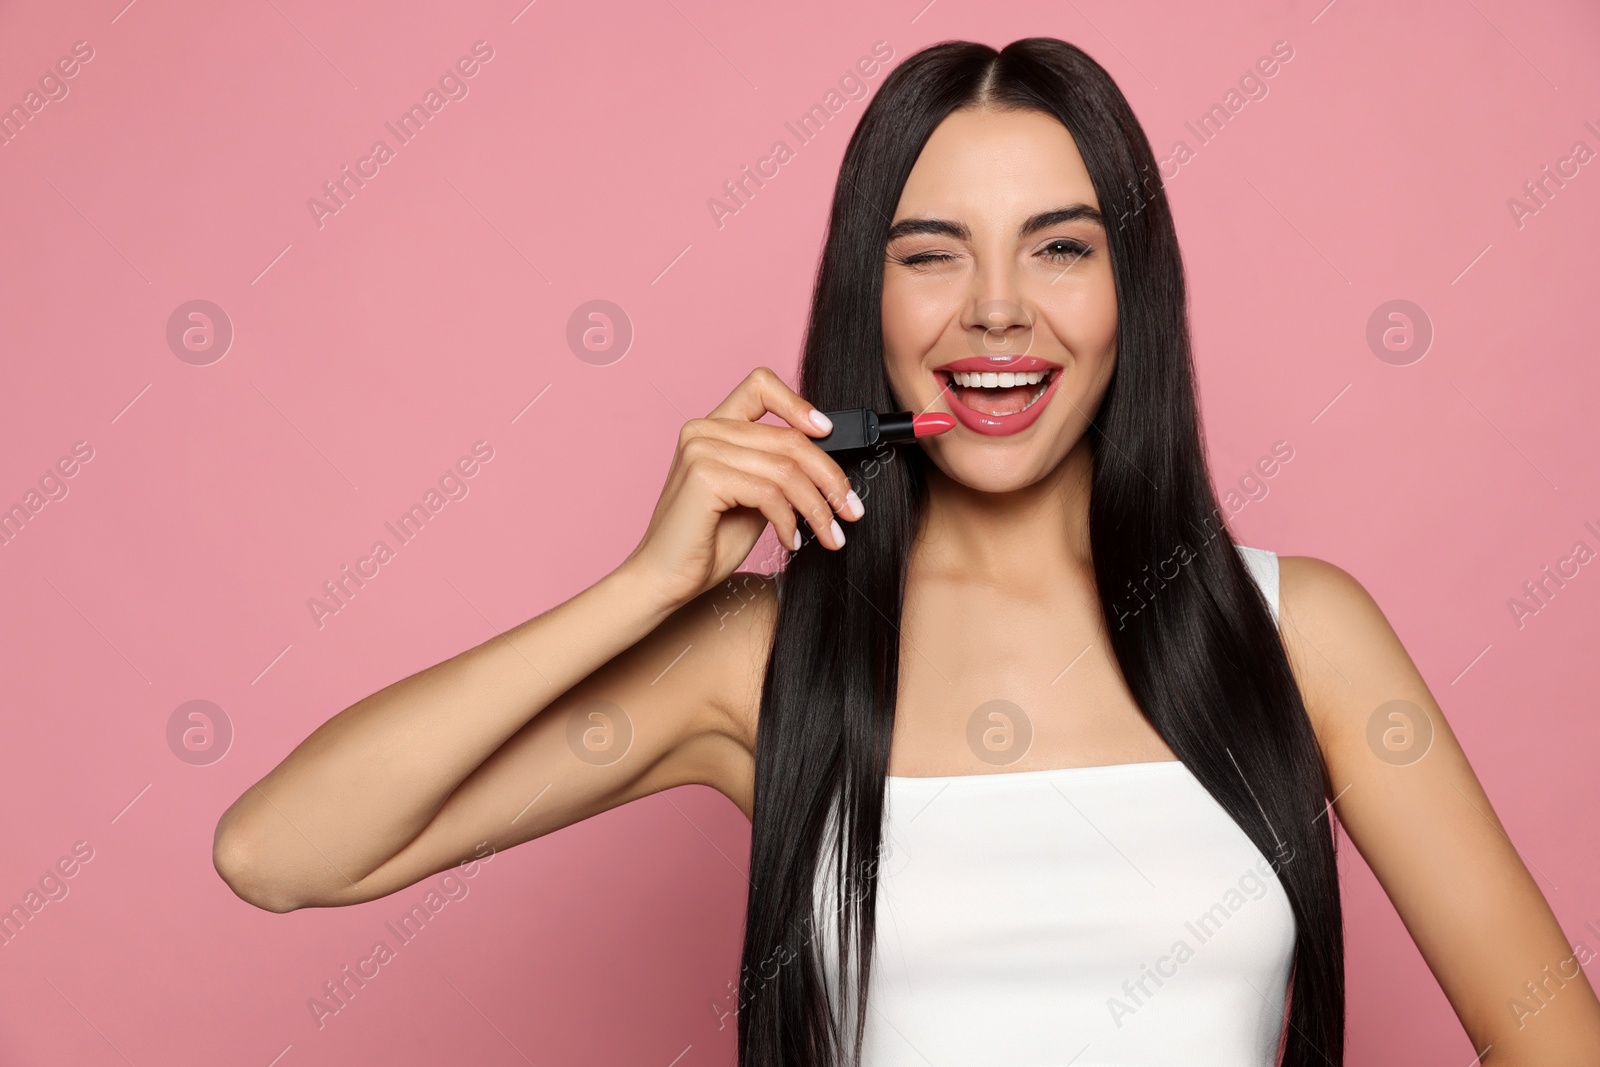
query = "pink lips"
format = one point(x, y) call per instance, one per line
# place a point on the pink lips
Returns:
point(1022, 364)
point(998, 425)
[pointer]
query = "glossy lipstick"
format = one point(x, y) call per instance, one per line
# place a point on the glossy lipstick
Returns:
point(998, 425)
point(862, 428)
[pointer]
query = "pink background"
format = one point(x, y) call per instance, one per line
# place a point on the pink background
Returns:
point(372, 351)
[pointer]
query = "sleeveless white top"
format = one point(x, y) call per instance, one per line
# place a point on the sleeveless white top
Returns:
point(1091, 916)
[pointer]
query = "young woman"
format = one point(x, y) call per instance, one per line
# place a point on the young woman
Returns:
point(1034, 730)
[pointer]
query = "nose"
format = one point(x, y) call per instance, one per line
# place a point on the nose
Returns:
point(998, 326)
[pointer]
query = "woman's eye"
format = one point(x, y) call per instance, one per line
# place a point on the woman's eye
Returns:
point(1064, 250)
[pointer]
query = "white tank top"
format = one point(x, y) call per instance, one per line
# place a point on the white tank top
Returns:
point(1091, 916)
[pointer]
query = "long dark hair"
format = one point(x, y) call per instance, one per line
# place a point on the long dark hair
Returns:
point(1195, 639)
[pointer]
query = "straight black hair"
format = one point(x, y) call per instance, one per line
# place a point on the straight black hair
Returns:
point(1197, 646)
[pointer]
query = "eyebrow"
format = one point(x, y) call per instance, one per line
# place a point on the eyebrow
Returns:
point(1042, 221)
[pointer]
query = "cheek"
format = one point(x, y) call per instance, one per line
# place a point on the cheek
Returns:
point(1084, 321)
point(913, 323)
point(900, 325)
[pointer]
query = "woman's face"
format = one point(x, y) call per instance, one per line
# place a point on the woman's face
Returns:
point(998, 300)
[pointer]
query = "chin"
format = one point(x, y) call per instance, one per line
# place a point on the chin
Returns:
point(995, 465)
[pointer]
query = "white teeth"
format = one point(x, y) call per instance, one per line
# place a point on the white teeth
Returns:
point(997, 380)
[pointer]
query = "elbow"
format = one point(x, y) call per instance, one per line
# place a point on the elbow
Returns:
point(235, 861)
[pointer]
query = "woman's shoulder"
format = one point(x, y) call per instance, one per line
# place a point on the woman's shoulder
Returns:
point(1339, 642)
point(1322, 595)
point(1314, 585)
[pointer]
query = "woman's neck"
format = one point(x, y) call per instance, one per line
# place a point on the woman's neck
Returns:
point(1009, 537)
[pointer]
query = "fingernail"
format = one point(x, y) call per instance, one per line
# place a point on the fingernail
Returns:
point(853, 506)
point(821, 421)
point(838, 534)
point(797, 539)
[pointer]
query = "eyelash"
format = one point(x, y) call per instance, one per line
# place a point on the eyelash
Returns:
point(1077, 250)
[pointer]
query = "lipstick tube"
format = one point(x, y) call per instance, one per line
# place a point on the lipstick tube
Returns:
point(856, 428)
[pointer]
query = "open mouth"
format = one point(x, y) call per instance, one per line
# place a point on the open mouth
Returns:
point(998, 395)
point(998, 392)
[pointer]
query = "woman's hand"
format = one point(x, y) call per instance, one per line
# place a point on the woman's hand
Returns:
point(730, 476)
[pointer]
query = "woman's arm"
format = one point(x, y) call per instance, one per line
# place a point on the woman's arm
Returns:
point(418, 776)
point(1413, 807)
point(643, 681)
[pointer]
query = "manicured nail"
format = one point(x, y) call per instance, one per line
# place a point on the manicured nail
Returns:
point(838, 534)
point(797, 539)
point(821, 421)
point(853, 506)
